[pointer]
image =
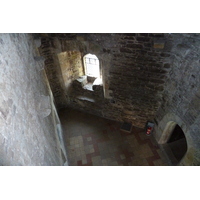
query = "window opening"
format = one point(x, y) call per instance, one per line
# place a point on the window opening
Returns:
point(92, 71)
point(91, 63)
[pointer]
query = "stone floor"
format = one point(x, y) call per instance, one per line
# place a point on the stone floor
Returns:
point(94, 141)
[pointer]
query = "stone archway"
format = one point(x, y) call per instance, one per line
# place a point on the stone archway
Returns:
point(174, 142)
point(167, 132)
point(165, 129)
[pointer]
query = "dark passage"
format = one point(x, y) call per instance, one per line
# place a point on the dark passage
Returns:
point(177, 144)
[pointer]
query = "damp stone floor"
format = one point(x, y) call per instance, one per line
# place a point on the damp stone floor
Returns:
point(95, 141)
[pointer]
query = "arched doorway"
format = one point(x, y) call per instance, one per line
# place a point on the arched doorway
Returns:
point(177, 144)
point(164, 130)
point(174, 142)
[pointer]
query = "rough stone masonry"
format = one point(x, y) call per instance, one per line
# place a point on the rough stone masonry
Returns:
point(27, 119)
point(133, 67)
point(145, 76)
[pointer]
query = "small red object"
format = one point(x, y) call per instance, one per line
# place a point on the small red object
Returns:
point(149, 128)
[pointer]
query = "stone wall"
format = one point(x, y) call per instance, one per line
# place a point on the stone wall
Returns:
point(28, 122)
point(71, 67)
point(134, 68)
point(181, 96)
point(53, 70)
point(145, 77)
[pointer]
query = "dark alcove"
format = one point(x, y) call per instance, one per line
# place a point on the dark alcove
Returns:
point(177, 144)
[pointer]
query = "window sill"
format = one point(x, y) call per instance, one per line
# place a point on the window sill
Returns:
point(86, 99)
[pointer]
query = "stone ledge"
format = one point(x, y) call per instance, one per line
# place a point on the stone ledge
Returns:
point(84, 98)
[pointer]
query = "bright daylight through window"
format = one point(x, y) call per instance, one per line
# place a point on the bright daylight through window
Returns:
point(91, 65)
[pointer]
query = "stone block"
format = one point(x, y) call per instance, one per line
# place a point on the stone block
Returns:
point(82, 80)
point(137, 46)
point(156, 35)
point(143, 39)
point(40, 60)
point(37, 42)
point(125, 50)
point(166, 65)
point(158, 45)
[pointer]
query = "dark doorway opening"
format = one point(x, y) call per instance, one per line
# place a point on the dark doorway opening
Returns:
point(177, 144)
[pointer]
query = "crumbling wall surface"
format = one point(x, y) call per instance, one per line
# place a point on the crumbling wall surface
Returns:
point(27, 128)
point(181, 96)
